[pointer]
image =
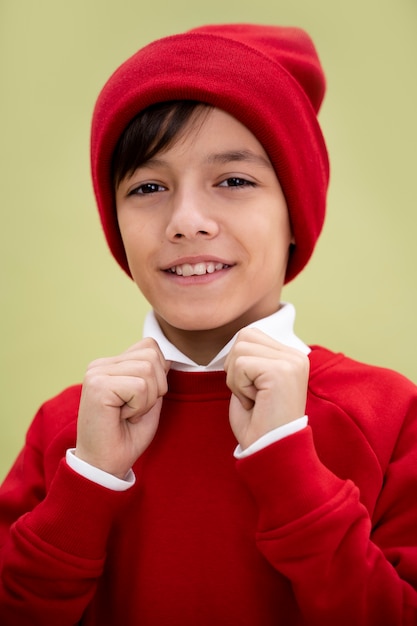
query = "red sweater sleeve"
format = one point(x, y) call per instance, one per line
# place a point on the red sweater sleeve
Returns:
point(53, 554)
point(313, 529)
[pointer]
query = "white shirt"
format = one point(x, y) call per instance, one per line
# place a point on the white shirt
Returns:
point(278, 326)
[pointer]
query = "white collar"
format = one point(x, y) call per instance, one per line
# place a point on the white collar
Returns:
point(279, 326)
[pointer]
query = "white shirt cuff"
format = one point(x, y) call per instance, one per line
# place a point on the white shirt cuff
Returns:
point(274, 435)
point(97, 475)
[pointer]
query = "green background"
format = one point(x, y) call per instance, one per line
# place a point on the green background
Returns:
point(64, 300)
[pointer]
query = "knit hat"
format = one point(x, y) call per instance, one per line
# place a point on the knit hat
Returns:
point(267, 77)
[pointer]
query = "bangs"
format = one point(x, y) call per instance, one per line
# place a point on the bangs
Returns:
point(153, 130)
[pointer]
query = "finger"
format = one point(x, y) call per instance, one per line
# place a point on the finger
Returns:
point(273, 357)
point(150, 343)
point(140, 396)
point(244, 348)
point(246, 402)
point(137, 351)
point(152, 353)
point(147, 342)
point(256, 336)
point(142, 363)
point(133, 394)
point(241, 379)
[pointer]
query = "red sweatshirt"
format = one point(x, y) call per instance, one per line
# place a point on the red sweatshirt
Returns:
point(319, 528)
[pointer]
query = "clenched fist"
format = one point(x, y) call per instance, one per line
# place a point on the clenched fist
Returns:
point(268, 381)
point(120, 406)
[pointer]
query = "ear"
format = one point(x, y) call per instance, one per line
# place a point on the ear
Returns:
point(291, 249)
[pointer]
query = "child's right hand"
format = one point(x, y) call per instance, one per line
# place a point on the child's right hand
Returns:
point(120, 406)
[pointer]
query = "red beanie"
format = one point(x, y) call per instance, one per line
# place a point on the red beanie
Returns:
point(267, 77)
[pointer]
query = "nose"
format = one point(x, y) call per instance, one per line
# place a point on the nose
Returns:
point(191, 217)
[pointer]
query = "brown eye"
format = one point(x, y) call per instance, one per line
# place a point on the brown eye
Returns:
point(146, 188)
point(235, 181)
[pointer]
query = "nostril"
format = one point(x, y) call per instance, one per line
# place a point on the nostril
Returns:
point(200, 232)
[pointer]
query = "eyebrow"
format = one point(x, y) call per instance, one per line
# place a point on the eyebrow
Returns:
point(222, 158)
point(229, 156)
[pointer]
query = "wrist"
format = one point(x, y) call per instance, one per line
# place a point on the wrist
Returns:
point(98, 475)
point(271, 437)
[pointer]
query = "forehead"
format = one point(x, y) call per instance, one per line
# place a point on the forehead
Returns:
point(219, 138)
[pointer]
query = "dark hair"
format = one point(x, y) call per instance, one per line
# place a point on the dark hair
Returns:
point(151, 131)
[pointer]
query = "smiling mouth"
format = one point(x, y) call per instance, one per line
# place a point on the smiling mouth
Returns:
point(199, 269)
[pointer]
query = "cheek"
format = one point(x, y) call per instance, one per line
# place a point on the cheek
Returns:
point(143, 279)
point(137, 236)
point(271, 246)
point(269, 233)
point(280, 229)
point(131, 228)
point(138, 254)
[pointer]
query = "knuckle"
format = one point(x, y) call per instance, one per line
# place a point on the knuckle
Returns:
point(239, 349)
point(150, 355)
point(303, 363)
point(241, 361)
point(146, 368)
point(149, 342)
point(297, 366)
point(246, 335)
point(242, 334)
point(93, 380)
point(140, 387)
point(93, 365)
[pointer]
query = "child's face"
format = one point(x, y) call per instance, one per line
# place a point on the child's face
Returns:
point(206, 229)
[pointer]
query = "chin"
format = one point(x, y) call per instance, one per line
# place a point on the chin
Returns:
point(196, 326)
point(196, 323)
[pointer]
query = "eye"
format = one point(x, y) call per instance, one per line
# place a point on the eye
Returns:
point(235, 181)
point(146, 188)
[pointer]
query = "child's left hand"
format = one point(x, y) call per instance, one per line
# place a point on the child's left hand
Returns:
point(268, 381)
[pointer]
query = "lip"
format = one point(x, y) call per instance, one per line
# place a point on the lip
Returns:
point(193, 260)
point(196, 279)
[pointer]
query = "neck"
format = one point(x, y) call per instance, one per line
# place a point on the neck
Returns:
point(201, 346)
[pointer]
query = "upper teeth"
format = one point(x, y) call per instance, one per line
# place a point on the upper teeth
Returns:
point(186, 269)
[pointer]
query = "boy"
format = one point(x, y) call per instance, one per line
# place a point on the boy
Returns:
point(219, 471)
